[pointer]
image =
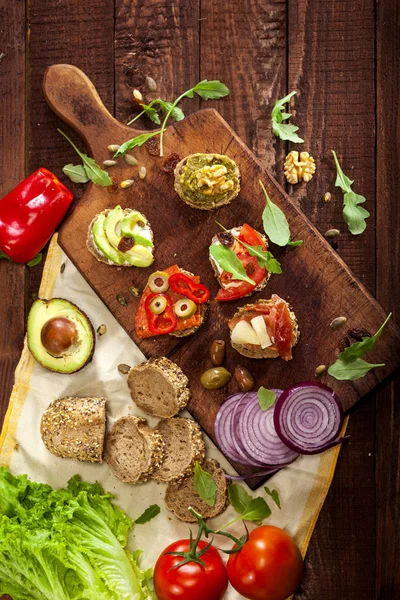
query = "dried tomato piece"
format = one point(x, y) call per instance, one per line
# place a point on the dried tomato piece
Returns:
point(153, 146)
point(170, 162)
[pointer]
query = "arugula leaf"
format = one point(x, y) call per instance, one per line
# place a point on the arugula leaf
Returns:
point(238, 497)
point(136, 141)
point(354, 215)
point(275, 223)
point(76, 173)
point(285, 131)
point(274, 495)
point(151, 112)
point(176, 112)
point(266, 398)
point(204, 485)
point(35, 260)
point(295, 243)
point(229, 262)
point(349, 365)
point(209, 90)
point(257, 510)
point(250, 509)
point(150, 512)
point(92, 169)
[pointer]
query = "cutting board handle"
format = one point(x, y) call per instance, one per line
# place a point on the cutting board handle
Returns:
point(73, 97)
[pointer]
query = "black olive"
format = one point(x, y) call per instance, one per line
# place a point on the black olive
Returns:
point(225, 238)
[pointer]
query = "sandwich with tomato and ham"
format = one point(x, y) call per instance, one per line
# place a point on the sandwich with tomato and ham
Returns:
point(239, 241)
point(265, 329)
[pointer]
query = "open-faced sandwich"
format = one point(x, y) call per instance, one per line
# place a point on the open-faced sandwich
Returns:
point(173, 302)
point(207, 181)
point(265, 329)
point(239, 241)
point(121, 237)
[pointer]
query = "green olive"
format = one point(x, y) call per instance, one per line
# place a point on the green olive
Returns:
point(158, 282)
point(185, 308)
point(217, 352)
point(244, 378)
point(158, 305)
point(213, 379)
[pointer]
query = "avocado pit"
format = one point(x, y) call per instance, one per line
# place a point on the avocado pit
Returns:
point(58, 335)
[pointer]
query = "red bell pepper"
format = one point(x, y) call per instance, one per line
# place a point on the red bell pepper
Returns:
point(184, 285)
point(30, 213)
point(163, 323)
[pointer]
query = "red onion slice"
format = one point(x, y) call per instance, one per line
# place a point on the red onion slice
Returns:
point(237, 440)
point(308, 418)
point(259, 437)
point(222, 428)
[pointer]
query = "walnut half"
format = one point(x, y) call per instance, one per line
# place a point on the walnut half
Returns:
point(297, 170)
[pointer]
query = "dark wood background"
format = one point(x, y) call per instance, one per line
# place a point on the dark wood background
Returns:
point(343, 57)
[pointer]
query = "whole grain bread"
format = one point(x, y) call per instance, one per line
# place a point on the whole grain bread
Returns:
point(258, 352)
point(74, 427)
point(180, 191)
point(184, 445)
point(179, 496)
point(159, 387)
point(133, 449)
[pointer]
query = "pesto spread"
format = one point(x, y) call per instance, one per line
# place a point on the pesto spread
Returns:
point(208, 180)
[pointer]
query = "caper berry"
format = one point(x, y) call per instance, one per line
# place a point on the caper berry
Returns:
point(213, 379)
point(244, 378)
point(217, 352)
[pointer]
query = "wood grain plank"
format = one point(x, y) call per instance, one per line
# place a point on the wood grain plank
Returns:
point(388, 293)
point(12, 170)
point(244, 45)
point(331, 65)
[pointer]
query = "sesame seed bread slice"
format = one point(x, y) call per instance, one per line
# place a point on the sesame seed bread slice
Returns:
point(159, 387)
point(74, 427)
point(179, 496)
point(133, 449)
point(184, 445)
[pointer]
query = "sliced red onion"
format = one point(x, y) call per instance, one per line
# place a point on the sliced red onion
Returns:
point(252, 475)
point(308, 418)
point(239, 442)
point(258, 434)
point(222, 428)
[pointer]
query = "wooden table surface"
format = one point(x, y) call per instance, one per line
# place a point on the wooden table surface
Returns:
point(343, 58)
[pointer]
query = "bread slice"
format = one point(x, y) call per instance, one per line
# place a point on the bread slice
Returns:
point(93, 249)
point(179, 496)
point(181, 192)
point(159, 387)
point(204, 309)
point(74, 427)
point(184, 445)
point(133, 450)
point(262, 283)
point(256, 351)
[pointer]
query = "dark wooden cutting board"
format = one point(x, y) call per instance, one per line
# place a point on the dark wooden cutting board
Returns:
point(316, 282)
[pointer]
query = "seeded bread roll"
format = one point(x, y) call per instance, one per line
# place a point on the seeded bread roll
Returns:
point(74, 428)
point(179, 496)
point(184, 446)
point(159, 387)
point(133, 450)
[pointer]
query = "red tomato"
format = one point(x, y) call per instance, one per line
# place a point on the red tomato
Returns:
point(268, 567)
point(191, 581)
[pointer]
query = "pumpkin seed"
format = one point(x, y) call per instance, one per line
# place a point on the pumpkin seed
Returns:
point(134, 291)
point(102, 329)
point(62, 268)
point(130, 160)
point(137, 95)
point(122, 300)
point(319, 370)
point(151, 84)
point(124, 369)
point(109, 163)
point(126, 184)
point(332, 233)
point(338, 322)
point(327, 197)
point(113, 148)
point(142, 172)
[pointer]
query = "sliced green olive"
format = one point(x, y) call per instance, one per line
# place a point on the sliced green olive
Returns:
point(185, 308)
point(158, 305)
point(158, 282)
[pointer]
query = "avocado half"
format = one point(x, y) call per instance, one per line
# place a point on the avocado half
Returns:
point(60, 336)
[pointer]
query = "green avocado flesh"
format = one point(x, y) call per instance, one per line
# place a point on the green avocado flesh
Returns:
point(190, 189)
point(108, 231)
point(73, 357)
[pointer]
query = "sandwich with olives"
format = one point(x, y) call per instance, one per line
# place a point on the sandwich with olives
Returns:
point(121, 237)
point(265, 329)
point(207, 181)
point(173, 302)
point(235, 258)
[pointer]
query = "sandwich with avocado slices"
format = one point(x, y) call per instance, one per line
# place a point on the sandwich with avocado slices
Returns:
point(121, 237)
point(207, 181)
point(265, 329)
